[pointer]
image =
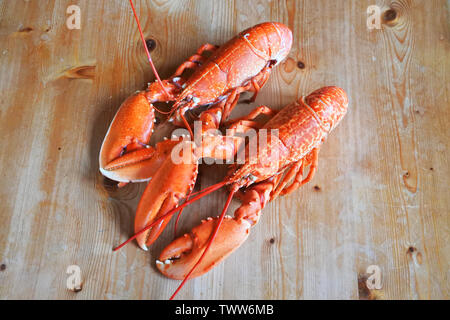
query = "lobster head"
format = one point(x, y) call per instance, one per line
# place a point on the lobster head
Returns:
point(276, 44)
point(329, 104)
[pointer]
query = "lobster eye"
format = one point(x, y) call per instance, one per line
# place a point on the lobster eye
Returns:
point(272, 63)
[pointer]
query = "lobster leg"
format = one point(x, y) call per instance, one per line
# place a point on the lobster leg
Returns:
point(255, 113)
point(259, 83)
point(299, 181)
point(211, 118)
point(255, 84)
point(231, 101)
point(233, 98)
point(194, 60)
point(223, 147)
point(295, 171)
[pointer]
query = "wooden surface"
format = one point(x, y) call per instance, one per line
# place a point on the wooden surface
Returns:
point(380, 197)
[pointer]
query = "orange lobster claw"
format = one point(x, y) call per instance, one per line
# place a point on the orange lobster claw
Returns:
point(171, 183)
point(128, 133)
point(126, 155)
point(180, 256)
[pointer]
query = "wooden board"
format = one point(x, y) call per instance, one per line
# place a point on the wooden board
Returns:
point(380, 197)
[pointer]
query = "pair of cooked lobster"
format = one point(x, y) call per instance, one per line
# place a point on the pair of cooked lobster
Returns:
point(293, 137)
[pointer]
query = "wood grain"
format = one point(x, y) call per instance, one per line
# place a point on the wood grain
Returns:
point(381, 195)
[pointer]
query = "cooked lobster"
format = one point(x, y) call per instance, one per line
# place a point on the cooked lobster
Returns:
point(301, 129)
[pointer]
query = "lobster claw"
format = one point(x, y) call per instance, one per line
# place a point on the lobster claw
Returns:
point(173, 181)
point(180, 256)
point(128, 134)
point(126, 155)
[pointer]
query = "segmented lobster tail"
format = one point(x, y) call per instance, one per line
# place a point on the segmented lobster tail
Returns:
point(330, 105)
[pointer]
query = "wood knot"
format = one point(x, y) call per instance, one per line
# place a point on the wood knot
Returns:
point(289, 65)
point(364, 293)
point(317, 188)
point(411, 250)
point(390, 17)
point(300, 65)
point(406, 174)
point(415, 255)
point(78, 289)
point(2, 267)
point(151, 44)
point(25, 30)
point(272, 240)
point(82, 72)
point(109, 185)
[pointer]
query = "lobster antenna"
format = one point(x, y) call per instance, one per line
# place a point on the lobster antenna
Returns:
point(216, 230)
point(202, 193)
point(146, 49)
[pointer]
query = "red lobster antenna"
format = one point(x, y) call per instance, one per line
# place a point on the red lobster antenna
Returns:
point(147, 51)
point(216, 230)
point(200, 195)
point(156, 72)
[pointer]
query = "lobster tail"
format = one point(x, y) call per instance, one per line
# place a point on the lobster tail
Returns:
point(330, 105)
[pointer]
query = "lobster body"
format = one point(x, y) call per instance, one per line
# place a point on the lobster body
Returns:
point(236, 62)
point(302, 127)
point(243, 63)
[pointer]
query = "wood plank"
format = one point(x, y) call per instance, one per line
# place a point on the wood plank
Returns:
point(380, 196)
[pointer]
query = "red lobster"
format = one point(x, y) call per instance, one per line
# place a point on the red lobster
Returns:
point(242, 64)
point(302, 127)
